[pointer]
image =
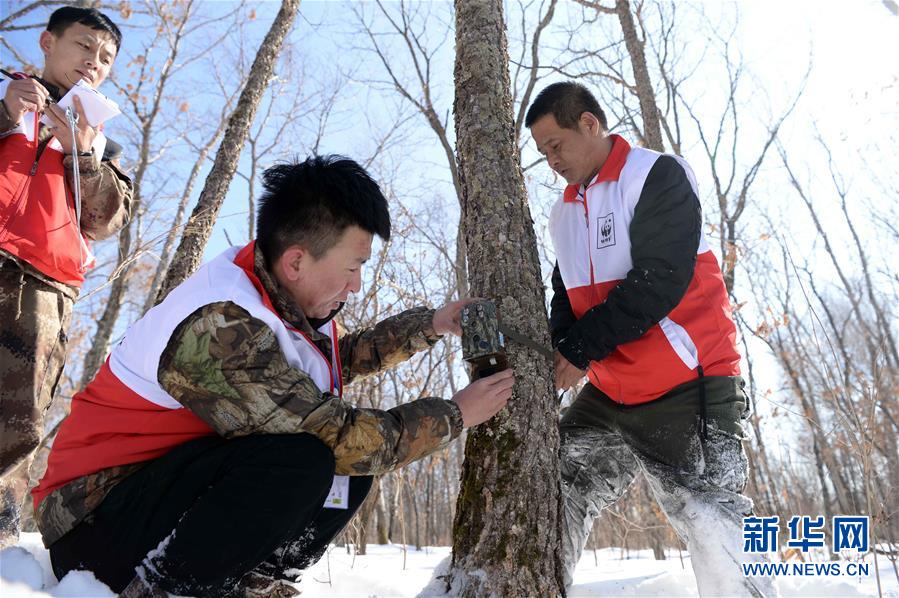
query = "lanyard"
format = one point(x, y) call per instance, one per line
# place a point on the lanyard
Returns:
point(72, 117)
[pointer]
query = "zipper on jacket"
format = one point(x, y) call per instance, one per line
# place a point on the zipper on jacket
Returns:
point(40, 150)
point(589, 246)
point(621, 404)
point(23, 189)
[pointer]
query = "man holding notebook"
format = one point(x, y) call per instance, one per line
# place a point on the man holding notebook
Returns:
point(46, 228)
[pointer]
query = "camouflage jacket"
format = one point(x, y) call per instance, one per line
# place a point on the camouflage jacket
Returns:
point(227, 367)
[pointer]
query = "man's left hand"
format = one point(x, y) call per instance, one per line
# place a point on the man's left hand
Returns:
point(84, 133)
point(447, 318)
point(567, 374)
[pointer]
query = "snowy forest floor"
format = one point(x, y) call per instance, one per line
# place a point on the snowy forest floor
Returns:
point(386, 571)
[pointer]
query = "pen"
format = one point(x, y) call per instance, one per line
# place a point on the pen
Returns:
point(53, 90)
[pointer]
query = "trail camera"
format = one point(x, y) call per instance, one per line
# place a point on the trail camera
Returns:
point(483, 345)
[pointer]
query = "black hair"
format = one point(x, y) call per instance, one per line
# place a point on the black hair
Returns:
point(66, 16)
point(566, 101)
point(311, 203)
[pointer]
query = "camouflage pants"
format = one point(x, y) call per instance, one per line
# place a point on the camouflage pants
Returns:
point(698, 483)
point(33, 319)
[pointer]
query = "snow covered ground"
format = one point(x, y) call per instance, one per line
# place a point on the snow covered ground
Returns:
point(386, 571)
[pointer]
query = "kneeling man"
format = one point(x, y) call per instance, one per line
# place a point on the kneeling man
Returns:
point(199, 458)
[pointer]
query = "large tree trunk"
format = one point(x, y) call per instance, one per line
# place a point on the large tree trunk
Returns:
point(506, 535)
point(199, 226)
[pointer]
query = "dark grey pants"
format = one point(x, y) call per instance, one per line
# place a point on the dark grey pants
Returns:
point(698, 483)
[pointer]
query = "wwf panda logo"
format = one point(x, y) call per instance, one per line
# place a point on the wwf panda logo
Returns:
point(605, 231)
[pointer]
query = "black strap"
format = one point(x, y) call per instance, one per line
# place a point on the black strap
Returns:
point(522, 339)
point(703, 416)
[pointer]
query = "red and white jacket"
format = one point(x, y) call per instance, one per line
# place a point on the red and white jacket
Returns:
point(124, 415)
point(37, 211)
point(639, 297)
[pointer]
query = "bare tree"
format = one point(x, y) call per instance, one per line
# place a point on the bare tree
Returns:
point(146, 93)
point(832, 334)
point(290, 102)
point(190, 251)
point(420, 92)
point(421, 35)
point(202, 153)
point(651, 132)
point(526, 74)
point(506, 536)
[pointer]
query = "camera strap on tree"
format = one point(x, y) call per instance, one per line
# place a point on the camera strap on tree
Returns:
point(524, 340)
point(484, 338)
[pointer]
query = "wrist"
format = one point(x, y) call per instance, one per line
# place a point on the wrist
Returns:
point(571, 348)
point(429, 331)
point(6, 113)
point(456, 419)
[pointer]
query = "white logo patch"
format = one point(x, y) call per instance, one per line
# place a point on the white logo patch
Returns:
point(605, 231)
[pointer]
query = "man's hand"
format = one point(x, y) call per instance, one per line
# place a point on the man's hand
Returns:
point(84, 133)
point(482, 399)
point(567, 374)
point(24, 95)
point(447, 318)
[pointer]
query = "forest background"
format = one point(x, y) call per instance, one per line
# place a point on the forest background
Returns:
point(787, 112)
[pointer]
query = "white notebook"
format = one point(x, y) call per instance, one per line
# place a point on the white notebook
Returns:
point(97, 107)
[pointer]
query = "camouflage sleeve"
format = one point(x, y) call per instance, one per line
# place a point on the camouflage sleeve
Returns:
point(391, 341)
point(227, 367)
point(105, 195)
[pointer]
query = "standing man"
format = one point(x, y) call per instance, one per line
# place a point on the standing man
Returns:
point(639, 307)
point(44, 245)
point(200, 456)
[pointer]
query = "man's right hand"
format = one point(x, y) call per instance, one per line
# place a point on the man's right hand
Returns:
point(482, 399)
point(567, 374)
point(24, 95)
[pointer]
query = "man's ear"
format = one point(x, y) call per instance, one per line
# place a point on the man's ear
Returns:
point(591, 124)
point(46, 41)
point(290, 264)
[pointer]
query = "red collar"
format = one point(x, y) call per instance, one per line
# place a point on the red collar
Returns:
point(609, 171)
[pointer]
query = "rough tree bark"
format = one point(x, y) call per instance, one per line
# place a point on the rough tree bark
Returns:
point(506, 534)
point(199, 227)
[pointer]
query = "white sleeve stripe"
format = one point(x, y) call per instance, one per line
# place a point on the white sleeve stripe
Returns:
point(681, 342)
